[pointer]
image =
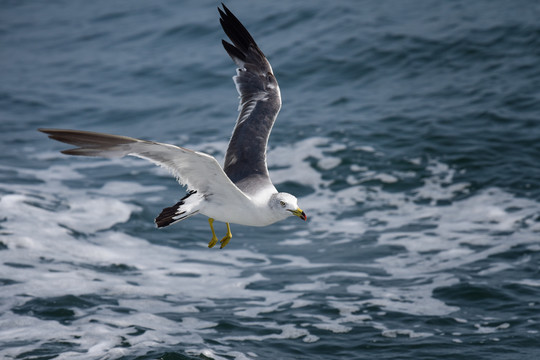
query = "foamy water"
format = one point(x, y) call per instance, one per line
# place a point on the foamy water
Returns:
point(75, 278)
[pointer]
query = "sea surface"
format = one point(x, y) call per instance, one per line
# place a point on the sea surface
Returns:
point(410, 132)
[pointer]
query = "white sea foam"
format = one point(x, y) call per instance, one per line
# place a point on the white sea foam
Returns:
point(64, 240)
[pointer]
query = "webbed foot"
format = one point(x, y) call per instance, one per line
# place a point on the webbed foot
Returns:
point(227, 237)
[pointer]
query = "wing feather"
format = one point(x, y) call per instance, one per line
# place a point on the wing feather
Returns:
point(197, 170)
point(260, 102)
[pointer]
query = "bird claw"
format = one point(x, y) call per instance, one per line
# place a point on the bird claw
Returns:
point(213, 241)
point(225, 241)
point(227, 237)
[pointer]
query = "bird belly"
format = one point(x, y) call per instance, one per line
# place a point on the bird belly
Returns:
point(240, 215)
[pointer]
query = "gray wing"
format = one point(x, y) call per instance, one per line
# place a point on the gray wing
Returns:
point(198, 171)
point(260, 102)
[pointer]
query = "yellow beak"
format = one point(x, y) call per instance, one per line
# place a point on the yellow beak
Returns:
point(298, 212)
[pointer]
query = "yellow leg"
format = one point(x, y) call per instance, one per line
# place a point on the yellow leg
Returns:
point(214, 237)
point(227, 237)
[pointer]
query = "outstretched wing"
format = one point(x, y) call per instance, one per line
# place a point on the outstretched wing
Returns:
point(196, 170)
point(260, 102)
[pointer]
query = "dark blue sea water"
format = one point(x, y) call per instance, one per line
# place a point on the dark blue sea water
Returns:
point(410, 132)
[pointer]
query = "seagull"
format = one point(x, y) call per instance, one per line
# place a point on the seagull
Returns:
point(241, 191)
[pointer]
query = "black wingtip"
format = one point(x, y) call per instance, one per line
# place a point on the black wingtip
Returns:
point(233, 52)
point(46, 131)
point(240, 37)
point(225, 8)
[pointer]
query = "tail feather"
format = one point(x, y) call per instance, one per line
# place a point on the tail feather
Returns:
point(174, 213)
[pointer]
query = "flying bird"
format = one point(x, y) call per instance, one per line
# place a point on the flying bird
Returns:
point(241, 191)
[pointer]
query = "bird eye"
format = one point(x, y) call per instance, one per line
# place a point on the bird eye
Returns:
point(282, 203)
